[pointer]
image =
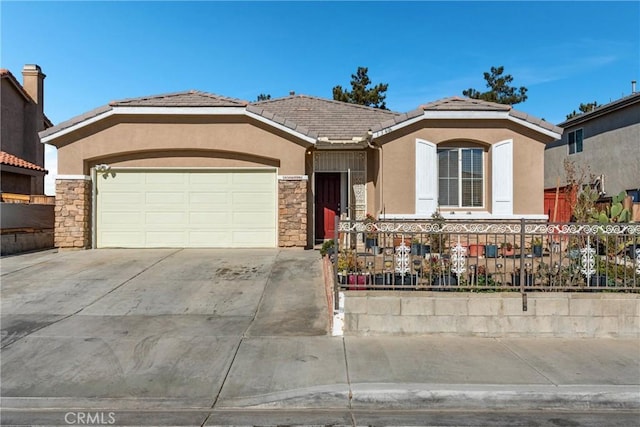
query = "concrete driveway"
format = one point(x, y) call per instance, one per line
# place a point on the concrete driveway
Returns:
point(238, 337)
point(148, 328)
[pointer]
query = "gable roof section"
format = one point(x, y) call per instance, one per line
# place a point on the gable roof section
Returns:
point(191, 98)
point(466, 108)
point(187, 102)
point(321, 118)
point(618, 104)
point(6, 74)
point(11, 160)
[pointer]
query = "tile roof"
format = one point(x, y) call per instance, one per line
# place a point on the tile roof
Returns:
point(319, 117)
point(191, 98)
point(310, 116)
point(11, 160)
point(457, 103)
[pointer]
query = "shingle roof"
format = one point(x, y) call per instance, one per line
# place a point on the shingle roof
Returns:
point(319, 117)
point(456, 103)
point(11, 160)
point(191, 98)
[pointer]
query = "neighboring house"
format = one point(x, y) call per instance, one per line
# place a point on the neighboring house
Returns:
point(193, 169)
point(21, 153)
point(607, 140)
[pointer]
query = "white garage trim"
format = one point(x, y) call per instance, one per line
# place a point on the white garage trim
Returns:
point(186, 207)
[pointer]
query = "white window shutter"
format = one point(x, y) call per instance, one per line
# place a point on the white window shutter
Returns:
point(426, 177)
point(502, 177)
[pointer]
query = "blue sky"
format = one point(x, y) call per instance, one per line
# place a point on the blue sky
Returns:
point(565, 53)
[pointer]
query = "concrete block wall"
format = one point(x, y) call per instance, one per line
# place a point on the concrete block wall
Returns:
point(19, 242)
point(292, 212)
point(553, 314)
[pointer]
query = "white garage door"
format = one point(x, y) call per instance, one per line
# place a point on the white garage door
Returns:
point(165, 208)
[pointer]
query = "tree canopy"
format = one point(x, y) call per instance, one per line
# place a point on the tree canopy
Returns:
point(360, 92)
point(263, 97)
point(500, 90)
point(584, 108)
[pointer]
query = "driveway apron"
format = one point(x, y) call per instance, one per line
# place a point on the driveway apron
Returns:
point(145, 328)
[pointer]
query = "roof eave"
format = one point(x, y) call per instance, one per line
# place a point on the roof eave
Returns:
point(466, 115)
point(23, 170)
point(601, 111)
point(50, 135)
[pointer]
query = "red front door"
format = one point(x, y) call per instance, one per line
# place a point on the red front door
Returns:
point(327, 204)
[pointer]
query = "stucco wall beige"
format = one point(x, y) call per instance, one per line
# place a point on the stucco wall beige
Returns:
point(179, 142)
point(398, 161)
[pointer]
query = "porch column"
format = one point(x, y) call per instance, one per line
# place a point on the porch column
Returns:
point(292, 210)
point(73, 212)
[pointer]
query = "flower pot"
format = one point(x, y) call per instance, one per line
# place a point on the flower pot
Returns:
point(491, 251)
point(537, 250)
point(515, 279)
point(403, 280)
point(446, 280)
point(376, 250)
point(397, 241)
point(598, 281)
point(357, 282)
point(508, 252)
point(370, 242)
point(342, 279)
point(416, 249)
point(476, 250)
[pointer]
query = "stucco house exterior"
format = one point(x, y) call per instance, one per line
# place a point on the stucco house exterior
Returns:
point(194, 169)
point(21, 153)
point(607, 140)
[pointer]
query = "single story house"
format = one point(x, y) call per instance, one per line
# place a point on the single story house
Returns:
point(193, 169)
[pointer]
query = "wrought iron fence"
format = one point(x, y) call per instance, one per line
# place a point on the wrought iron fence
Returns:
point(486, 256)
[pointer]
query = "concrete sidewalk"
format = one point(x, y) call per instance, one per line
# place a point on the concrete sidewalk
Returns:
point(194, 337)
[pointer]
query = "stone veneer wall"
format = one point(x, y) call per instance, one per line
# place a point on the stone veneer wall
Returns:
point(292, 212)
point(73, 213)
point(549, 314)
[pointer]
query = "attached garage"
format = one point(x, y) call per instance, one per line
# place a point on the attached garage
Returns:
point(202, 208)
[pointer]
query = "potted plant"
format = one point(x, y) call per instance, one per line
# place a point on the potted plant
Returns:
point(573, 250)
point(416, 246)
point(347, 266)
point(439, 270)
point(536, 246)
point(328, 248)
point(371, 237)
point(507, 249)
point(438, 240)
point(480, 277)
